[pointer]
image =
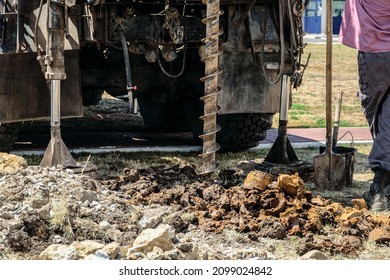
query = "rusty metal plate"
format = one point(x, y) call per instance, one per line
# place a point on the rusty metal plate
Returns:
point(24, 94)
point(244, 88)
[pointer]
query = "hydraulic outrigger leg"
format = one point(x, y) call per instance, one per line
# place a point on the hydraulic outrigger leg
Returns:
point(282, 151)
point(56, 153)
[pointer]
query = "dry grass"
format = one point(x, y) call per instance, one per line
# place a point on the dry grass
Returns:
point(111, 165)
point(308, 106)
point(60, 218)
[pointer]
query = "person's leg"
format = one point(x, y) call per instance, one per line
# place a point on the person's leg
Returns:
point(380, 153)
point(374, 80)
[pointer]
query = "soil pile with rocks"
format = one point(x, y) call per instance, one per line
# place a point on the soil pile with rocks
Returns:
point(173, 213)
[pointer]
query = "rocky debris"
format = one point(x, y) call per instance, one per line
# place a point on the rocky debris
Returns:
point(59, 252)
point(262, 207)
point(359, 203)
point(314, 255)
point(346, 245)
point(45, 205)
point(257, 179)
point(160, 237)
point(379, 235)
point(173, 213)
point(86, 247)
point(154, 216)
point(112, 250)
point(10, 164)
point(99, 255)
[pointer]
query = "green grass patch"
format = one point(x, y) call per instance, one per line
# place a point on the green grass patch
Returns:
point(308, 108)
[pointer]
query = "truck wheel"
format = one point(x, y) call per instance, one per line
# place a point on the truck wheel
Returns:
point(8, 135)
point(243, 131)
point(238, 131)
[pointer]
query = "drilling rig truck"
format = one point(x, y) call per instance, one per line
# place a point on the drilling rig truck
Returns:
point(215, 67)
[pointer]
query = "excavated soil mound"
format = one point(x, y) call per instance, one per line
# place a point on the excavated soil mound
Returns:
point(46, 213)
point(261, 207)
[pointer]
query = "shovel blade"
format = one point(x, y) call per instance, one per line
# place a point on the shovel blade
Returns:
point(329, 171)
point(57, 153)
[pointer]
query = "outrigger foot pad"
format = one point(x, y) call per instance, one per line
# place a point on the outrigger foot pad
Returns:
point(57, 153)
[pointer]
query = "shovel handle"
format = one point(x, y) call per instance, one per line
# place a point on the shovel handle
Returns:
point(329, 24)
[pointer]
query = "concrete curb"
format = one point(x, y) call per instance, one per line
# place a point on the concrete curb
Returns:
point(179, 149)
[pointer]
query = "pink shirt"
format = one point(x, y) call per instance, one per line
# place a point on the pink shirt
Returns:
point(366, 25)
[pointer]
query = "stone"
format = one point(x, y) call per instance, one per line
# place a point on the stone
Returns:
point(185, 247)
point(104, 225)
point(86, 247)
point(59, 252)
point(350, 213)
point(149, 238)
point(189, 217)
point(192, 254)
point(359, 203)
point(192, 227)
point(87, 195)
point(15, 224)
point(352, 241)
point(95, 257)
point(173, 255)
point(114, 234)
point(19, 240)
point(56, 239)
point(314, 255)
point(292, 185)
point(136, 256)
point(379, 235)
point(6, 215)
point(112, 249)
point(39, 201)
point(44, 212)
point(257, 179)
point(272, 228)
point(101, 254)
point(11, 164)
point(153, 217)
point(156, 254)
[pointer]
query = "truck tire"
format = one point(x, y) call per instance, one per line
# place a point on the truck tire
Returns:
point(8, 136)
point(242, 131)
point(238, 131)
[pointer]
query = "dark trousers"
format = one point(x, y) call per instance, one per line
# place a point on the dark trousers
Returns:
point(374, 94)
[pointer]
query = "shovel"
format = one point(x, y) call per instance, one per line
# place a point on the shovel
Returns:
point(328, 162)
point(336, 123)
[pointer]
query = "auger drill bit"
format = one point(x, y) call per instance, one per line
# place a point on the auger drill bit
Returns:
point(211, 89)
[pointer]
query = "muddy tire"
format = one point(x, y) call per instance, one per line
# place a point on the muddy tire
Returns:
point(243, 131)
point(238, 131)
point(8, 135)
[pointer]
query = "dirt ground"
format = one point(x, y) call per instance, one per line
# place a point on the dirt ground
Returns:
point(238, 213)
